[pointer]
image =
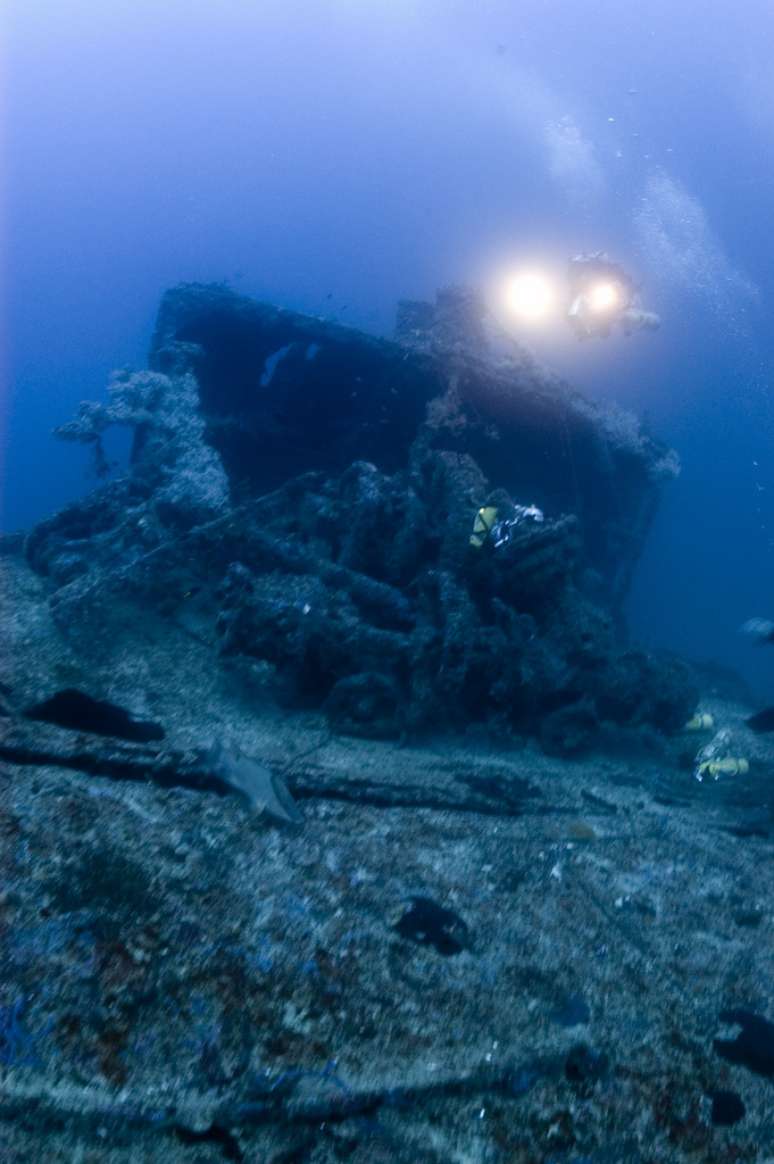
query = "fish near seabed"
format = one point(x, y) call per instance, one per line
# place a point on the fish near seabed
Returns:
point(265, 791)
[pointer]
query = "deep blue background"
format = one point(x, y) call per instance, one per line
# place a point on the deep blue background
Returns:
point(335, 155)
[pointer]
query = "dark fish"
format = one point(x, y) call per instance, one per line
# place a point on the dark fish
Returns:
point(430, 924)
point(753, 1047)
point(78, 711)
point(727, 1108)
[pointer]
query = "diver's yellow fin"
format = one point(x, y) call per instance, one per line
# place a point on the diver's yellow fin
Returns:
point(730, 766)
point(701, 722)
point(483, 525)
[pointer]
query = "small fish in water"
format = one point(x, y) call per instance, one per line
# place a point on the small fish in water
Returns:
point(265, 791)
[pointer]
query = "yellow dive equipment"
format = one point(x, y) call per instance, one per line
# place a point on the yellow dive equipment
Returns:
point(483, 525)
point(731, 766)
point(701, 722)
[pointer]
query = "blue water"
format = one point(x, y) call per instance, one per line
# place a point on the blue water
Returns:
point(334, 156)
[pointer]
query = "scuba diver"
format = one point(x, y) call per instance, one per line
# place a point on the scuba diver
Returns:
point(601, 296)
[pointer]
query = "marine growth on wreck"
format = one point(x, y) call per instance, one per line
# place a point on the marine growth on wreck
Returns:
point(305, 495)
point(340, 820)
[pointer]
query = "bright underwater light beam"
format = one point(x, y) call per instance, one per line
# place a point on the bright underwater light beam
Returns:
point(604, 297)
point(530, 295)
